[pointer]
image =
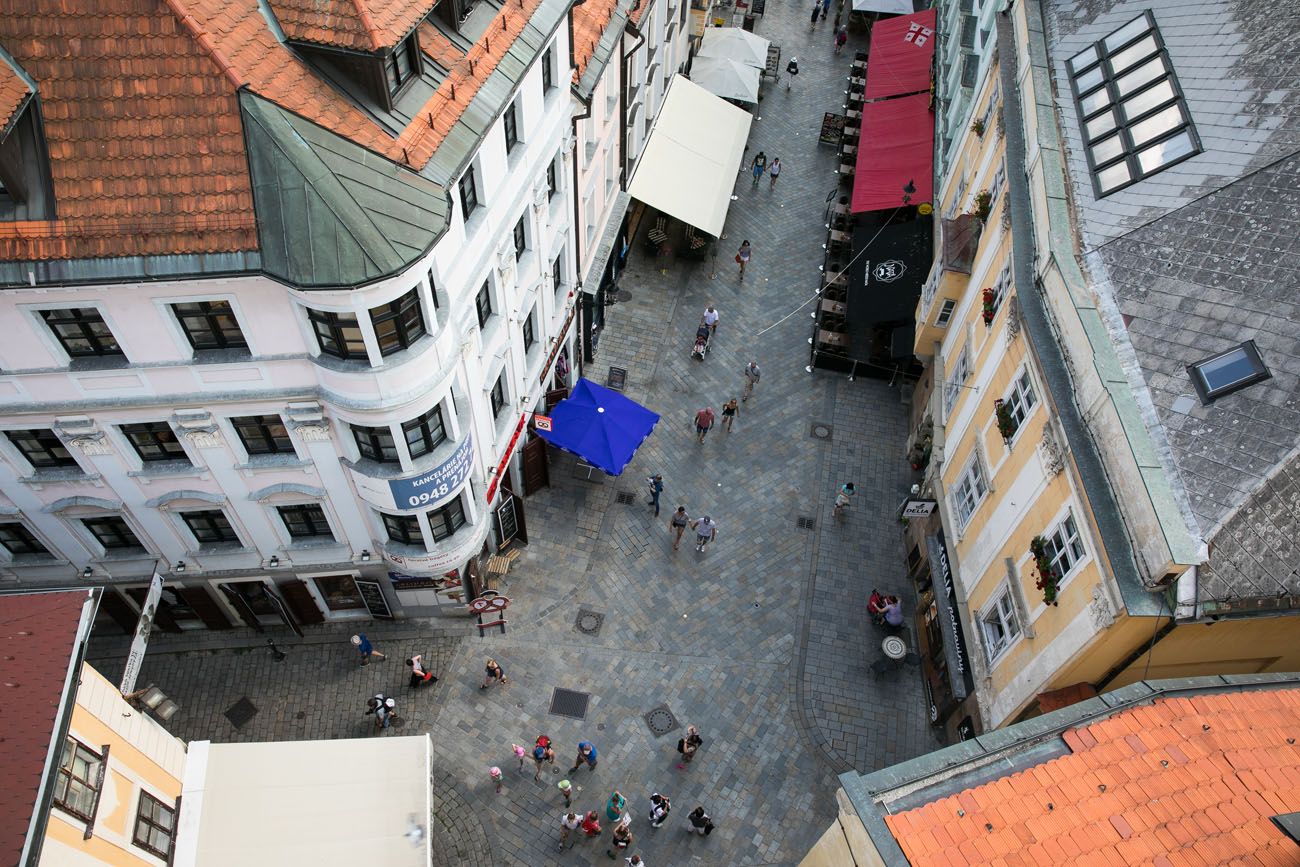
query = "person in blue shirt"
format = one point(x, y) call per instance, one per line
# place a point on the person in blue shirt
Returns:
point(656, 483)
point(586, 753)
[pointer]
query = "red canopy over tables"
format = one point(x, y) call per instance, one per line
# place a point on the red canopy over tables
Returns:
point(902, 49)
point(897, 149)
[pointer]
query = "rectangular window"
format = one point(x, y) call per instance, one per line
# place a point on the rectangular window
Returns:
point(1000, 288)
point(999, 181)
point(1064, 547)
point(263, 435)
point(529, 337)
point(557, 276)
point(952, 388)
point(552, 186)
point(521, 239)
point(1132, 113)
point(400, 66)
point(444, 522)
point(305, 521)
point(82, 332)
point(339, 592)
point(1227, 372)
point(498, 396)
point(969, 491)
point(1022, 399)
point(399, 323)
point(42, 448)
point(155, 441)
point(510, 122)
point(155, 826)
point(548, 74)
point(80, 775)
point(210, 325)
point(404, 529)
point(945, 312)
point(426, 433)
point(483, 304)
point(468, 193)
point(376, 443)
point(112, 533)
point(338, 334)
point(999, 624)
point(433, 290)
point(210, 526)
point(17, 539)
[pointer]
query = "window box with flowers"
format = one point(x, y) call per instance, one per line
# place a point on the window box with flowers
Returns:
point(990, 299)
point(1049, 580)
point(983, 205)
point(1007, 424)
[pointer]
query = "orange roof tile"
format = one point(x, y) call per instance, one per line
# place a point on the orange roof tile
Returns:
point(589, 22)
point(362, 25)
point(1214, 769)
point(13, 90)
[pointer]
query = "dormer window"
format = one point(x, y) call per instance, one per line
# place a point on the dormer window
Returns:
point(26, 192)
point(401, 65)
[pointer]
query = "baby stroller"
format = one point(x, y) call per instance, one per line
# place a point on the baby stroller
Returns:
point(701, 342)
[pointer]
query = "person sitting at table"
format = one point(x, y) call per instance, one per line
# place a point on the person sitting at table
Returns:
point(885, 609)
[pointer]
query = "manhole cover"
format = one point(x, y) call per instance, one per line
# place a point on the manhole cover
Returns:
point(589, 622)
point(821, 431)
point(661, 721)
point(397, 722)
point(625, 498)
point(806, 523)
point(623, 296)
point(241, 712)
point(567, 702)
point(894, 647)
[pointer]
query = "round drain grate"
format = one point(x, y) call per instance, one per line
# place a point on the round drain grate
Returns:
point(660, 721)
point(894, 647)
point(821, 430)
point(589, 622)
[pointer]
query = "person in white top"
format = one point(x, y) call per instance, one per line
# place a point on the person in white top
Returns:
point(569, 822)
point(710, 318)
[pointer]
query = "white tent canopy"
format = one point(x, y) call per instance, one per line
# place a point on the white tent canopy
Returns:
point(689, 166)
point(734, 44)
point(889, 7)
point(726, 78)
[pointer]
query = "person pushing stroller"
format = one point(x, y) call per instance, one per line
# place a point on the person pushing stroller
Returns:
point(701, 342)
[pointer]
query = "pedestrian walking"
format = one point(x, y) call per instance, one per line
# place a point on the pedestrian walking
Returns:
point(742, 256)
point(635, 861)
point(495, 773)
point(703, 422)
point(383, 708)
point(569, 823)
point(841, 36)
point(566, 789)
point(729, 413)
point(586, 753)
point(752, 376)
point(361, 643)
point(656, 483)
point(710, 318)
point(520, 752)
point(660, 806)
point(700, 823)
point(816, 14)
point(493, 673)
point(758, 166)
point(826, 8)
point(842, 498)
point(420, 676)
point(622, 837)
point(542, 752)
point(591, 824)
point(774, 172)
point(615, 805)
point(792, 68)
point(706, 530)
point(688, 745)
point(677, 525)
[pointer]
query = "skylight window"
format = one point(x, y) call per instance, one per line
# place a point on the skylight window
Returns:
point(1228, 372)
point(1131, 111)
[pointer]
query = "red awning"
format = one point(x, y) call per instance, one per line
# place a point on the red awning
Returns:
point(901, 51)
point(897, 147)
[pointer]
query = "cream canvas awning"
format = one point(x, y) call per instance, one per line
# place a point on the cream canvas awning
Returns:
point(689, 166)
point(728, 79)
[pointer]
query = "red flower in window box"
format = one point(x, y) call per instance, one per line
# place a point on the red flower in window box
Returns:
point(1048, 579)
point(990, 299)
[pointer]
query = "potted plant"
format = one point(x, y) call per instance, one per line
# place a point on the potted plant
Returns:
point(1048, 579)
point(990, 306)
point(978, 128)
point(983, 204)
point(1007, 425)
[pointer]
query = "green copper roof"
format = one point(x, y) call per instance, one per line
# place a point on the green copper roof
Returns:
point(329, 212)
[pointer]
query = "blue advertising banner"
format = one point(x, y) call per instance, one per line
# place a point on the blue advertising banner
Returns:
point(435, 485)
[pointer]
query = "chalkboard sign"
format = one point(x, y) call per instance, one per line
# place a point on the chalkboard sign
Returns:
point(507, 521)
point(760, 6)
point(832, 128)
point(772, 69)
point(373, 595)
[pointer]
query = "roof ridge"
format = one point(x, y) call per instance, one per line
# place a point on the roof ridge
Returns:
point(205, 42)
point(367, 22)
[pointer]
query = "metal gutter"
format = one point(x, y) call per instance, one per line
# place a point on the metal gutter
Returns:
point(1040, 335)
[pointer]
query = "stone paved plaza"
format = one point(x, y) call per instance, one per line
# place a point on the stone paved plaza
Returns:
point(762, 640)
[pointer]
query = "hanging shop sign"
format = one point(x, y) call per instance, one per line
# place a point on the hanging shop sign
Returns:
point(505, 458)
point(436, 485)
point(954, 641)
point(143, 627)
point(919, 508)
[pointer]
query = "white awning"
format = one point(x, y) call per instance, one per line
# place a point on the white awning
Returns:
point(889, 7)
point(689, 166)
point(728, 79)
point(735, 44)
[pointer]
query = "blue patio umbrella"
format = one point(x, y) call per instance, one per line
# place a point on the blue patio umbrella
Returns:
point(601, 426)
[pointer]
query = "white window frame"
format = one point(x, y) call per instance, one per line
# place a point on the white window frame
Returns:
point(946, 309)
point(1000, 287)
point(996, 185)
point(1021, 400)
point(1065, 543)
point(972, 487)
point(953, 384)
point(999, 614)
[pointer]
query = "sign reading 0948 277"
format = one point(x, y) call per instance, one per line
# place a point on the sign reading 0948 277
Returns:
point(434, 486)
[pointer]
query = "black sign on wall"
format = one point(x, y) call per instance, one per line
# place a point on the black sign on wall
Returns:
point(954, 638)
point(373, 595)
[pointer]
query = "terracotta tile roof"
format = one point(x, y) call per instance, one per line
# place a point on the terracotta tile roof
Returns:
point(143, 133)
point(1065, 696)
point(589, 22)
point(638, 10)
point(1183, 780)
point(38, 631)
point(363, 25)
point(13, 90)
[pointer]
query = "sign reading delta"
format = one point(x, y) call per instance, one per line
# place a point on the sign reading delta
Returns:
point(437, 484)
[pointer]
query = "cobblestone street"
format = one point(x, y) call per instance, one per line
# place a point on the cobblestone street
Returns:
point(762, 640)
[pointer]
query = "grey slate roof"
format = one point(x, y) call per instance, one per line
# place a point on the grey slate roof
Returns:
point(1204, 256)
point(329, 212)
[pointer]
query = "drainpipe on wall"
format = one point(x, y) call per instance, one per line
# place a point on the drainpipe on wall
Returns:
point(1186, 608)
